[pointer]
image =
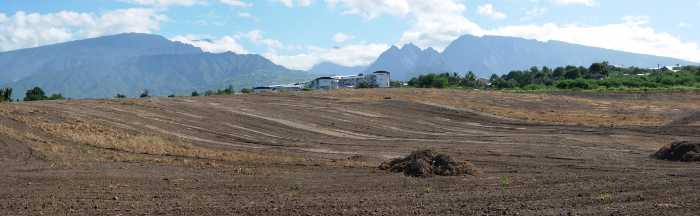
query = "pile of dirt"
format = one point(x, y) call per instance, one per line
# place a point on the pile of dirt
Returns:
point(426, 163)
point(680, 151)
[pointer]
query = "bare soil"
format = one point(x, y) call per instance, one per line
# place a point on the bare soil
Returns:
point(317, 153)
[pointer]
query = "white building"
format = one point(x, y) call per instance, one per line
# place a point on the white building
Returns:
point(326, 83)
point(263, 89)
point(379, 79)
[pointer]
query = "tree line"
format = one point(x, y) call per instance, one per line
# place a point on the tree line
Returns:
point(599, 75)
point(445, 80)
point(34, 94)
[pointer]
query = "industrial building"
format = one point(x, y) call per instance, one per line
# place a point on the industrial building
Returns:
point(379, 79)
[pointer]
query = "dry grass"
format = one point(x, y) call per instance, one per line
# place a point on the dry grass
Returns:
point(103, 143)
point(154, 145)
point(537, 107)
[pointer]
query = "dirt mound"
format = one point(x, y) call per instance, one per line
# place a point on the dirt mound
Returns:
point(680, 151)
point(426, 163)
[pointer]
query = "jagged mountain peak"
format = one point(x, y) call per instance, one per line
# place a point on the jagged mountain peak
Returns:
point(486, 55)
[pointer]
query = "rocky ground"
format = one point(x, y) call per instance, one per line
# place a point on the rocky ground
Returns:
point(317, 153)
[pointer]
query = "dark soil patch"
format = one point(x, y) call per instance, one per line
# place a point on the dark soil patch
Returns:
point(426, 163)
point(680, 151)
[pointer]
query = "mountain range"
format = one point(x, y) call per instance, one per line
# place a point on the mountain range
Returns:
point(129, 63)
point(497, 55)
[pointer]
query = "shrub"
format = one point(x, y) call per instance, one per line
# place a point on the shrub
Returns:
point(396, 84)
point(35, 94)
point(56, 97)
point(5, 94)
point(145, 94)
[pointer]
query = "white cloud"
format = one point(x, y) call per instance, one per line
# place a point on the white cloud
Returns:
point(588, 3)
point(236, 3)
point(223, 44)
point(632, 35)
point(434, 22)
point(305, 57)
point(350, 55)
point(256, 37)
point(245, 15)
point(298, 3)
point(290, 56)
point(23, 30)
point(371, 9)
point(488, 10)
point(166, 3)
point(534, 12)
point(342, 37)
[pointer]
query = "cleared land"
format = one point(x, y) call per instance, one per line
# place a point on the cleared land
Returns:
point(316, 153)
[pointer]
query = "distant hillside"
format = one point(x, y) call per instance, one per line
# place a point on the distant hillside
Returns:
point(329, 68)
point(128, 63)
point(493, 54)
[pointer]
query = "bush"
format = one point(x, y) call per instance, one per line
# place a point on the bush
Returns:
point(35, 94)
point(120, 96)
point(5, 94)
point(396, 84)
point(533, 87)
point(440, 82)
point(56, 97)
point(145, 94)
point(195, 94)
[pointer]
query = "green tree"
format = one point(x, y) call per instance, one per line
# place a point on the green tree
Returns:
point(56, 97)
point(395, 84)
point(35, 94)
point(440, 82)
point(572, 72)
point(120, 96)
point(195, 94)
point(145, 94)
point(598, 70)
point(5, 94)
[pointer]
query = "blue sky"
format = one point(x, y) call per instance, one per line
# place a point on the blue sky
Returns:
point(301, 33)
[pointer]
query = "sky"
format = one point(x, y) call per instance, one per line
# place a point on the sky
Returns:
point(301, 33)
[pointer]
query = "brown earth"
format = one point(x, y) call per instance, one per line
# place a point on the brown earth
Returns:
point(317, 153)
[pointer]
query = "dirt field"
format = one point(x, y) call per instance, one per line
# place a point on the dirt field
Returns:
point(316, 153)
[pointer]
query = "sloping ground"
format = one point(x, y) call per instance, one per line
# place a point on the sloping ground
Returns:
point(317, 152)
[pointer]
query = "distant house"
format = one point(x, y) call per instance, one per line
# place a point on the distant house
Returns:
point(262, 89)
point(326, 83)
point(287, 88)
point(670, 68)
point(381, 78)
